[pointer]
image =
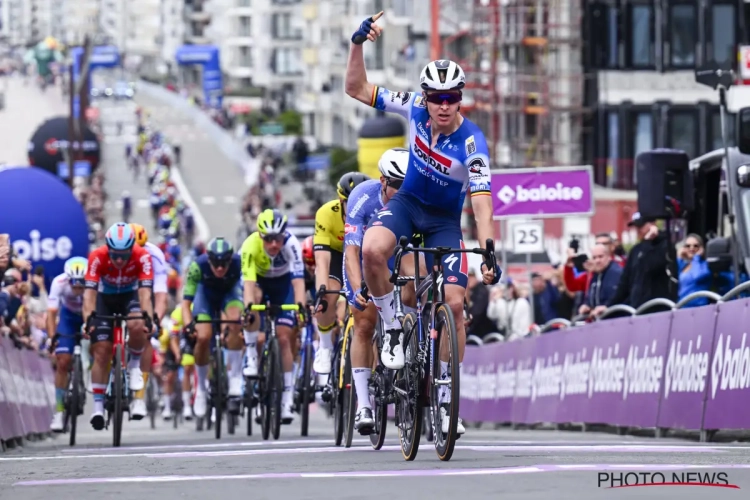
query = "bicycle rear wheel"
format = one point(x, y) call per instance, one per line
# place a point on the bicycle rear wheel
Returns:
point(264, 392)
point(74, 402)
point(119, 395)
point(306, 389)
point(409, 407)
point(447, 337)
point(151, 407)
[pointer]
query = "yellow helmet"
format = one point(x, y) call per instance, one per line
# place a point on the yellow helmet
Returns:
point(141, 235)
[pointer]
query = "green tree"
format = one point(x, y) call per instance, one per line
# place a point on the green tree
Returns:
point(292, 122)
point(342, 161)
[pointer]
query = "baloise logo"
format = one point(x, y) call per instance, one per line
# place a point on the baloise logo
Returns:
point(558, 192)
point(38, 248)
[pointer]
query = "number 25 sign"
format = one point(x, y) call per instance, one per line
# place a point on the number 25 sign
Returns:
point(528, 237)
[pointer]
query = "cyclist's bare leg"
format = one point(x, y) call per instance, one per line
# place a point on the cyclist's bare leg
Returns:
point(62, 365)
point(203, 334)
point(253, 339)
point(286, 336)
point(362, 362)
point(102, 353)
point(139, 366)
point(235, 344)
point(377, 248)
point(327, 323)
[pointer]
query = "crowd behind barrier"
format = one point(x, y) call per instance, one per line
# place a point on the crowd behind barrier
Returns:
point(682, 369)
point(27, 393)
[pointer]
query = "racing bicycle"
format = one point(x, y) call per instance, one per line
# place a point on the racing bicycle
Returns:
point(218, 380)
point(75, 396)
point(304, 384)
point(428, 334)
point(339, 392)
point(117, 397)
point(270, 383)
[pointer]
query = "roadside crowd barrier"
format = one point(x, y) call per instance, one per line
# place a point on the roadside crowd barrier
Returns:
point(27, 393)
point(686, 369)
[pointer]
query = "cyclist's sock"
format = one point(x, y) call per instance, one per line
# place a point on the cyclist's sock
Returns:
point(59, 399)
point(234, 360)
point(186, 397)
point(387, 311)
point(325, 340)
point(135, 358)
point(98, 391)
point(167, 402)
point(142, 393)
point(251, 341)
point(361, 378)
point(288, 385)
point(202, 372)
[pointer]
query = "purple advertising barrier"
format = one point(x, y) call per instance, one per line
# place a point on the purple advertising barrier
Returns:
point(728, 395)
point(686, 371)
point(544, 192)
point(470, 386)
point(39, 417)
point(10, 423)
point(608, 372)
point(21, 396)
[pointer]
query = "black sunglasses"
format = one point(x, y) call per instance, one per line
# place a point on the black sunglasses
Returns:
point(219, 263)
point(394, 183)
point(270, 238)
point(440, 98)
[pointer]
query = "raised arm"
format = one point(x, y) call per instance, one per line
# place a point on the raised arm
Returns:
point(356, 84)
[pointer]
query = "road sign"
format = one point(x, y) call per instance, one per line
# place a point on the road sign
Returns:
point(528, 237)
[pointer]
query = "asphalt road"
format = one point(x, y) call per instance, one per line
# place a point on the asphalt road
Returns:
point(175, 464)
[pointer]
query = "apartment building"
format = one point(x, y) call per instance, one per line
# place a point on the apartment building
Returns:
point(644, 54)
point(394, 62)
point(81, 17)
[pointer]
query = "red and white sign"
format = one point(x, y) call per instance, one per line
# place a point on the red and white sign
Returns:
point(744, 65)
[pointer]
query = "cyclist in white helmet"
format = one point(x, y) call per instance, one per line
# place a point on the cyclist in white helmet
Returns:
point(448, 157)
point(65, 296)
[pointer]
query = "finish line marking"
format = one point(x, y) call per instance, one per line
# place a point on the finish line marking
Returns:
point(368, 474)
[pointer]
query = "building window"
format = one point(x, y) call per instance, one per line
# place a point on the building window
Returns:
point(683, 34)
point(245, 27)
point(683, 132)
point(282, 26)
point(721, 46)
point(613, 31)
point(287, 61)
point(731, 122)
point(243, 3)
point(643, 133)
point(246, 57)
point(641, 41)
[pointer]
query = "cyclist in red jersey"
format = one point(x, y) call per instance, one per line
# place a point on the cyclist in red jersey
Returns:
point(119, 279)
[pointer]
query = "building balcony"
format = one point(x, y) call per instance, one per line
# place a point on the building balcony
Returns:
point(200, 16)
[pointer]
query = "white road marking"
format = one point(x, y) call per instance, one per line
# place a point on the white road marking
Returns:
point(208, 200)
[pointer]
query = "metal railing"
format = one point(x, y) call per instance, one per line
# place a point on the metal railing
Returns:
point(622, 310)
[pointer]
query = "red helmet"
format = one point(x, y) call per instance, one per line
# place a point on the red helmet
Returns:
point(307, 251)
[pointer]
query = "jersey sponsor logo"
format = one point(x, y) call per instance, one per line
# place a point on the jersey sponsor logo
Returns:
point(384, 213)
point(452, 279)
point(377, 223)
point(94, 267)
point(451, 260)
point(350, 228)
point(395, 96)
point(471, 146)
point(405, 98)
point(146, 263)
point(431, 158)
point(419, 102)
point(476, 165)
point(357, 206)
point(422, 130)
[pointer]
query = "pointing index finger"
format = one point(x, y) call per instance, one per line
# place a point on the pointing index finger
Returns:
point(376, 16)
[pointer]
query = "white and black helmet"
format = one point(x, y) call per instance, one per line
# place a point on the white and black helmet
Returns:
point(442, 74)
point(393, 163)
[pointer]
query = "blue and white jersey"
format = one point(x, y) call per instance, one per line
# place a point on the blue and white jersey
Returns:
point(439, 177)
point(364, 202)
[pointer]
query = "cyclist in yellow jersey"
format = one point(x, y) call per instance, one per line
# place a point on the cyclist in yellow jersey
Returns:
point(328, 244)
point(272, 259)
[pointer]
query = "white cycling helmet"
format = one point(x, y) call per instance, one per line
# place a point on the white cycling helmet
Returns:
point(442, 74)
point(75, 268)
point(393, 163)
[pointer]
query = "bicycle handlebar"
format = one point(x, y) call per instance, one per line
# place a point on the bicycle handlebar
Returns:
point(488, 254)
point(115, 317)
point(320, 301)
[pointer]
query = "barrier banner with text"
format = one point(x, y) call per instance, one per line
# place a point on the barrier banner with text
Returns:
point(685, 369)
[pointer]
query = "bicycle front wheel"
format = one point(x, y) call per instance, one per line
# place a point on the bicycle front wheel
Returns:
point(409, 407)
point(276, 388)
point(218, 395)
point(306, 388)
point(119, 390)
point(444, 397)
point(76, 395)
point(337, 400)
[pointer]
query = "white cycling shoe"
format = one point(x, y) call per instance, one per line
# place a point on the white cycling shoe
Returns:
point(322, 362)
point(57, 422)
point(392, 356)
point(135, 379)
point(445, 423)
point(251, 366)
point(200, 404)
point(138, 409)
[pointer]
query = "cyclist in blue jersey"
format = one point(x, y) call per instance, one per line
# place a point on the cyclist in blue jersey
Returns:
point(448, 156)
point(213, 284)
point(364, 203)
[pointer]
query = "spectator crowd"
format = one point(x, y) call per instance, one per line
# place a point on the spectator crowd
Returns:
point(583, 287)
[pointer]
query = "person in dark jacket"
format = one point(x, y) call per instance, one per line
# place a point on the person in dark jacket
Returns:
point(604, 281)
point(479, 299)
point(645, 275)
point(546, 298)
